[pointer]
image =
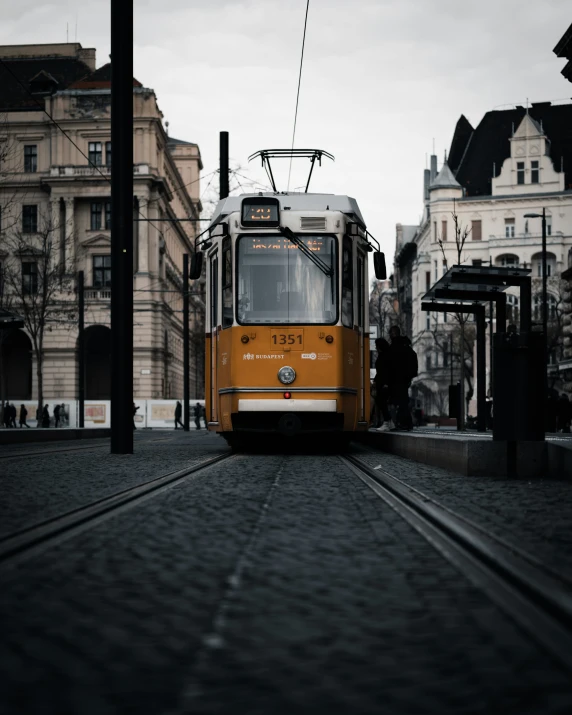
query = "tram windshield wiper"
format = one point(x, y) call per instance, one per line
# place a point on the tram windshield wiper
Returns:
point(316, 260)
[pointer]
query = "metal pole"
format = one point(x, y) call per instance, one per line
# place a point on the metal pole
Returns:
point(451, 354)
point(122, 227)
point(186, 343)
point(544, 314)
point(81, 350)
point(491, 315)
point(481, 369)
point(223, 165)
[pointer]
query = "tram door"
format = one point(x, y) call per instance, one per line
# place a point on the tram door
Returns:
point(213, 417)
point(360, 289)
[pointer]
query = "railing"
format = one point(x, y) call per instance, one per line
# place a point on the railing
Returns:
point(97, 294)
point(138, 169)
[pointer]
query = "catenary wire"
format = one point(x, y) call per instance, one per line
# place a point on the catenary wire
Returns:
point(298, 93)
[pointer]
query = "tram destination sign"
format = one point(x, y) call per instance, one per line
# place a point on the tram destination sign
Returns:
point(277, 243)
point(262, 211)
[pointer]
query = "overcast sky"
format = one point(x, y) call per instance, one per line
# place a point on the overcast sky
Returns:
point(381, 79)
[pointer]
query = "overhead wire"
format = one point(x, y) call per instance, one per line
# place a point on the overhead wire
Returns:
point(298, 93)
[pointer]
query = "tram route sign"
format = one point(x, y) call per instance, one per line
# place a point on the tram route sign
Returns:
point(262, 211)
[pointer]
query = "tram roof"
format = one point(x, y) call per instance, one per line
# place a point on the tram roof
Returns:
point(295, 202)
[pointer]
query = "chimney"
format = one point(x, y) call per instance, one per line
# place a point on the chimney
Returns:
point(426, 182)
point(433, 165)
point(87, 56)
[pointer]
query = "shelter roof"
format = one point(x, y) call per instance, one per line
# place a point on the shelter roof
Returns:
point(492, 280)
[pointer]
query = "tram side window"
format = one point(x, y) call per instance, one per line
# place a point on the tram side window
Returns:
point(226, 284)
point(361, 290)
point(347, 284)
point(214, 293)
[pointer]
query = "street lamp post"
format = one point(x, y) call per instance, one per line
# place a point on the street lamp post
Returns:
point(544, 295)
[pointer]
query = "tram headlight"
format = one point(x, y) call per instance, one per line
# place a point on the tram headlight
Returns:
point(286, 375)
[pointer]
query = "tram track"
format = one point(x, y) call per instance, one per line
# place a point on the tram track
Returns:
point(59, 450)
point(25, 542)
point(535, 597)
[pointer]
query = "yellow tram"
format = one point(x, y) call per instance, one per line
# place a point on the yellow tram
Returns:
point(287, 336)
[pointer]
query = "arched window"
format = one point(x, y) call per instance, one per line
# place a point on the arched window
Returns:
point(507, 260)
point(552, 307)
point(536, 265)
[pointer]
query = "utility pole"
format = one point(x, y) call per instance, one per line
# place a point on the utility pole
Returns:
point(81, 350)
point(186, 341)
point(122, 227)
point(223, 165)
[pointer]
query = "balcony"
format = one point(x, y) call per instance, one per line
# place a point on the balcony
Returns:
point(97, 294)
point(85, 171)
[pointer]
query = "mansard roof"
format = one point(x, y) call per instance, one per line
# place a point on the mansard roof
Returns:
point(474, 151)
point(16, 75)
point(100, 79)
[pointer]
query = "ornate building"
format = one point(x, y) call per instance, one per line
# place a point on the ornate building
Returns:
point(55, 183)
point(515, 162)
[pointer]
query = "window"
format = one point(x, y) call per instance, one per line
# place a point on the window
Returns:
point(512, 308)
point(436, 270)
point(534, 172)
point(95, 222)
point(549, 225)
point(226, 283)
point(507, 260)
point(427, 280)
point(443, 230)
point(107, 153)
point(520, 172)
point(551, 305)
point(444, 317)
point(30, 158)
point(428, 321)
point(279, 284)
point(476, 231)
point(347, 284)
point(29, 278)
point(509, 228)
point(428, 361)
point(95, 153)
point(108, 216)
point(102, 271)
point(435, 231)
point(29, 219)
point(445, 358)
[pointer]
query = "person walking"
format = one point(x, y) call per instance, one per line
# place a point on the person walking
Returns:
point(403, 368)
point(13, 414)
point(198, 415)
point(63, 415)
point(45, 417)
point(23, 415)
point(178, 413)
point(57, 416)
point(135, 408)
point(382, 372)
point(204, 415)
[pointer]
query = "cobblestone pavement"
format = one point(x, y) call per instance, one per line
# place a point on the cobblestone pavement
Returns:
point(535, 515)
point(34, 489)
point(270, 584)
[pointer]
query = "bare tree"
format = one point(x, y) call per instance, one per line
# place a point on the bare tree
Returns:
point(40, 291)
point(383, 309)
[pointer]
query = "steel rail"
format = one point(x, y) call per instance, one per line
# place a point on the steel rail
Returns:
point(539, 603)
point(45, 533)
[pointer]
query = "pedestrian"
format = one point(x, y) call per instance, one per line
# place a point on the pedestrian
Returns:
point(63, 415)
point(563, 414)
point(6, 415)
point(13, 414)
point(204, 414)
point(198, 412)
point(23, 415)
point(57, 416)
point(178, 413)
point(403, 368)
point(45, 417)
point(382, 373)
point(135, 408)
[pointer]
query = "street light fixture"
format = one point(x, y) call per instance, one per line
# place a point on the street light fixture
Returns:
point(544, 294)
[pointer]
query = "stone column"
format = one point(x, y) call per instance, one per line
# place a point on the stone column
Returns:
point(58, 256)
point(143, 235)
point(70, 237)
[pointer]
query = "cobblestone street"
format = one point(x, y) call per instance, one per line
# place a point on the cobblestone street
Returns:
point(266, 583)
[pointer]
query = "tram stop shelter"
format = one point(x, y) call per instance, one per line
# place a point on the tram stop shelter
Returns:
point(467, 289)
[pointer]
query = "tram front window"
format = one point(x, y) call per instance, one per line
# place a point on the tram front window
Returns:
point(278, 284)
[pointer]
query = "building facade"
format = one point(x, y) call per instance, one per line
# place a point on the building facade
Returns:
point(55, 203)
point(516, 162)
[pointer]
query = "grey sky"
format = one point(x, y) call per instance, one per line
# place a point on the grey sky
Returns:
point(381, 79)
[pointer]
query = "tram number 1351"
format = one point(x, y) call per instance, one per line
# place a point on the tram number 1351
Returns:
point(291, 338)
